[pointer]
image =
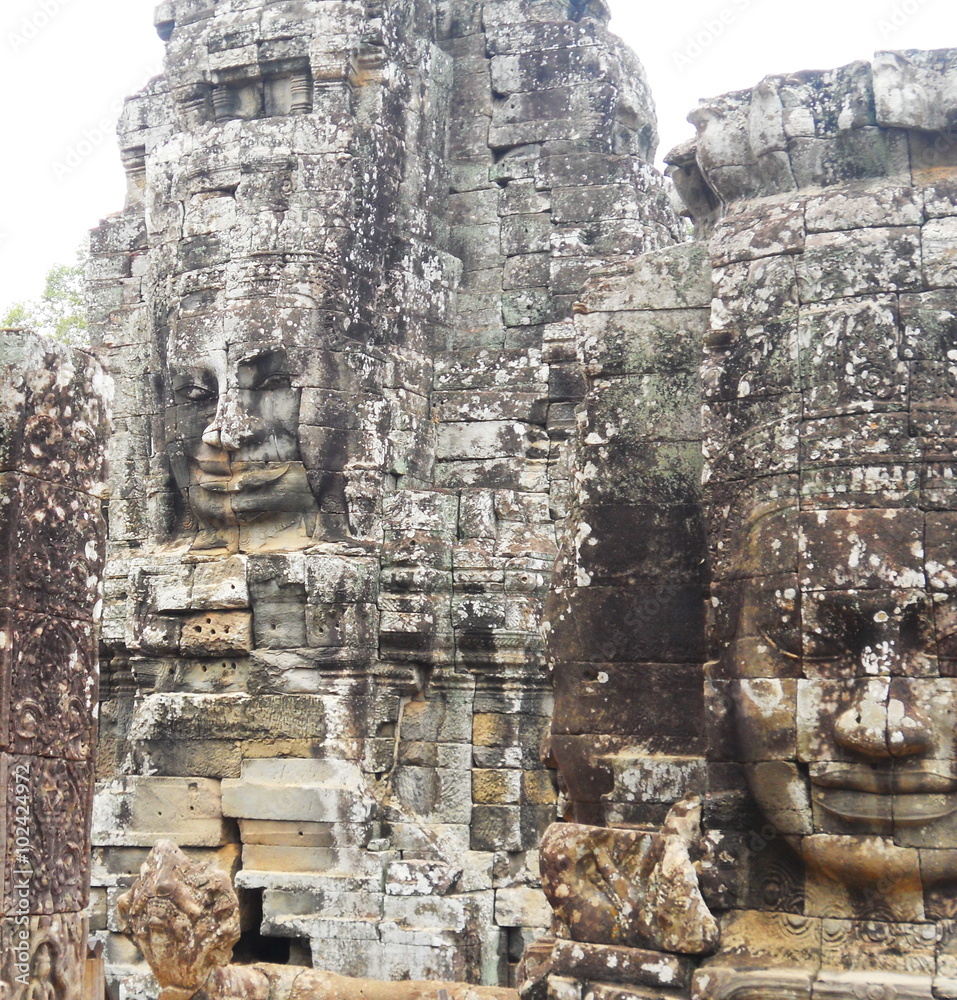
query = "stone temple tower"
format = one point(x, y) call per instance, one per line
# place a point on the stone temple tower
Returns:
point(337, 306)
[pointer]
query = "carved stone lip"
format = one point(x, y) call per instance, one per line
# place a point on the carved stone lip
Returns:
point(242, 477)
point(914, 809)
point(883, 781)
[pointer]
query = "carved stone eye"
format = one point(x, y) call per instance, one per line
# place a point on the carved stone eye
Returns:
point(785, 639)
point(195, 393)
point(276, 380)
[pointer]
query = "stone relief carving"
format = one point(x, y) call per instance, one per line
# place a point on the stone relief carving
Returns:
point(184, 917)
point(805, 338)
point(338, 304)
point(233, 421)
point(54, 413)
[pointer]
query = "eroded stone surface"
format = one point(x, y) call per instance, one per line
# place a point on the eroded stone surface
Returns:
point(54, 420)
point(823, 745)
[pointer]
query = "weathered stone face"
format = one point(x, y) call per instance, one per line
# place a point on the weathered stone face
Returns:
point(843, 713)
point(233, 422)
point(339, 305)
point(807, 368)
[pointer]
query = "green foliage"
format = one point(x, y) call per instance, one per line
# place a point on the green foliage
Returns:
point(60, 312)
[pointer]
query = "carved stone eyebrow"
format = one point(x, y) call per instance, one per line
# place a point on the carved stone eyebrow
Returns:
point(271, 358)
point(257, 365)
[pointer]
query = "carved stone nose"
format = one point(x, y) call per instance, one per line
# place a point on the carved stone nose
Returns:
point(882, 729)
point(212, 437)
point(225, 432)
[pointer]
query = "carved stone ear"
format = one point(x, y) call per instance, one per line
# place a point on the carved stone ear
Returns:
point(123, 913)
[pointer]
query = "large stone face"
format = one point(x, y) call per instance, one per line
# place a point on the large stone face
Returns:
point(338, 309)
point(802, 470)
point(54, 416)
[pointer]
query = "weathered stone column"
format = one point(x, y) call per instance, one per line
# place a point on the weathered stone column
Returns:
point(54, 413)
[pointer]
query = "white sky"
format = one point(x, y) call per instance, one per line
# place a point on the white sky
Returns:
point(65, 66)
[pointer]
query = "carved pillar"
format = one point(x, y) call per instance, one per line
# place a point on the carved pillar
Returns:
point(53, 425)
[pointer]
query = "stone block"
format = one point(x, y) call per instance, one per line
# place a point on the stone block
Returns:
point(434, 795)
point(633, 700)
point(496, 828)
point(655, 778)
point(511, 370)
point(497, 786)
point(860, 262)
point(443, 718)
point(623, 616)
point(309, 906)
point(573, 113)
point(523, 234)
point(353, 862)
point(136, 811)
point(614, 964)
point(839, 366)
point(939, 251)
point(929, 323)
point(313, 791)
point(857, 207)
point(288, 833)
point(763, 229)
point(915, 90)
point(216, 633)
point(420, 878)
point(185, 717)
point(522, 907)
point(673, 278)
point(481, 440)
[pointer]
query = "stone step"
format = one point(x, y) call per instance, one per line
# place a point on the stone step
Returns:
point(647, 778)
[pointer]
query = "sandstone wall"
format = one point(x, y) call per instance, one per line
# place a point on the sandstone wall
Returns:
point(362, 226)
point(764, 468)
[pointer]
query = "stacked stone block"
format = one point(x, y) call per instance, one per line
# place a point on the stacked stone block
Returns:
point(388, 209)
point(817, 384)
point(54, 415)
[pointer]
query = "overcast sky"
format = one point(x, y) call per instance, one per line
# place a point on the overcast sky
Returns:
point(65, 66)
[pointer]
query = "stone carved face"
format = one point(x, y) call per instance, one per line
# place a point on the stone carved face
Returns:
point(844, 697)
point(233, 429)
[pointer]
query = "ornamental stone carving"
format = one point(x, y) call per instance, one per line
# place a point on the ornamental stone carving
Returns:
point(54, 415)
point(767, 427)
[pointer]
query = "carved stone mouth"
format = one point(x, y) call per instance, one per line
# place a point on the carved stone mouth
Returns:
point(884, 796)
point(242, 479)
point(881, 781)
point(912, 809)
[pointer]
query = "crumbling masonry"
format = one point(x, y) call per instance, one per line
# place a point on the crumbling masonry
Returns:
point(338, 310)
point(401, 317)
